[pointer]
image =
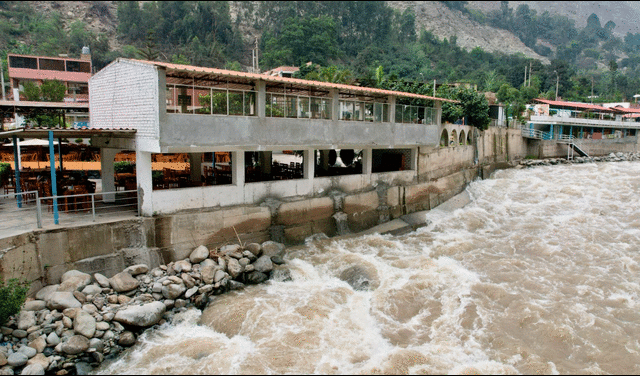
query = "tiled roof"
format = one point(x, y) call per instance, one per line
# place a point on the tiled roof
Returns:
point(584, 106)
point(297, 81)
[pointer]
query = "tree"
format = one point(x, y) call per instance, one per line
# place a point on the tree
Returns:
point(52, 91)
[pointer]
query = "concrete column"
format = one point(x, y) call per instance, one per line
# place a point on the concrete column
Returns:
point(367, 161)
point(413, 163)
point(266, 158)
point(261, 98)
point(438, 107)
point(237, 168)
point(195, 160)
point(392, 108)
point(324, 159)
point(335, 104)
point(106, 172)
point(309, 163)
point(144, 182)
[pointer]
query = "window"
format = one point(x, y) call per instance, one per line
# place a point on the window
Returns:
point(23, 62)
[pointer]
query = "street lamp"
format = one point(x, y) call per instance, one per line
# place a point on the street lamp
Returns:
point(557, 82)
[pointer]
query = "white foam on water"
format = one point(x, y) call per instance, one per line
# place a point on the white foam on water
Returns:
point(537, 274)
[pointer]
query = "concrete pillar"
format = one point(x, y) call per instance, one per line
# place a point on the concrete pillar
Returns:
point(309, 163)
point(335, 104)
point(324, 159)
point(145, 183)
point(438, 107)
point(266, 158)
point(392, 108)
point(261, 98)
point(237, 168)
point(106, 172)
point(413, 163)
point(367, 161)
point(195, 160)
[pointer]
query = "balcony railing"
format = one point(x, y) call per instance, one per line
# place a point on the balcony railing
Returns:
point(297, 106)
point(210, 101)
point(364, 111)
point(416, 114)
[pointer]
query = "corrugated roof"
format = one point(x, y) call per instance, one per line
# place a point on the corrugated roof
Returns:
point(286, 80)
point(584, 106)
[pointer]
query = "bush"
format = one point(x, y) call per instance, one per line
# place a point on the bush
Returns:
point(5, 170)
point(124, 167)
point(12, 297)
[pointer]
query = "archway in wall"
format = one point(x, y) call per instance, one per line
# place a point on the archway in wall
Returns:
point(444, 138)
point(454, 138)
point(462, 139)
point(469, 137)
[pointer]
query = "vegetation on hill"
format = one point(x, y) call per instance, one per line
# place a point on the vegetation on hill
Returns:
point(345, 46)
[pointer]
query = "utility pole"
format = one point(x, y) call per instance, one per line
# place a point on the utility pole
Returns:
point(525, 76)
point(2, 79)
point(591, 89)
point(557, 82)
point(529, 74)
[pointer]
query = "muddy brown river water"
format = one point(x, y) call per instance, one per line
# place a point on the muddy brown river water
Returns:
point(539, 273)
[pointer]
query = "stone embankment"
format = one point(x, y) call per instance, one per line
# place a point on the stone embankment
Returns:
point(74, 326)
point(613, 157)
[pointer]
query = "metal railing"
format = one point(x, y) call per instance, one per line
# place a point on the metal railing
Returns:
point(26, 211)
point(535, 133)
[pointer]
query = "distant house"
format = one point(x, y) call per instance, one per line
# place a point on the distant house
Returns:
point(73, 73)
point(282, 71)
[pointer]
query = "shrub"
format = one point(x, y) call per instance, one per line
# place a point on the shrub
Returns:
point(124, 167)
point(5, 169)
point(12, 297)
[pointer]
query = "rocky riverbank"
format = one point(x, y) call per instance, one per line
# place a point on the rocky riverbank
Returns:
point(74, 326)
point(613, 157)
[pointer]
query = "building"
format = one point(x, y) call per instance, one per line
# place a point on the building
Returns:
point(579, 124)
point(207, 112)
point(282, 71)
point(73, 73)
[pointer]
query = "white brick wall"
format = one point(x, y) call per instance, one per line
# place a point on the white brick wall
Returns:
point(125, 95)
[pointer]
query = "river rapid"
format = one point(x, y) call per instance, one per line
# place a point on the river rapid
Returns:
point(539, 273)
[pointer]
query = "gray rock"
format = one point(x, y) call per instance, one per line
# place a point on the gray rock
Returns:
point(361, 277)
point(218, 276)
point(34, 305)
point(30, 352)
point(188, 280)
point(96, 344)
point(75, 345)
point(19, 333)
point(255, 277)
point(102, 325)
point(6, 370)
point(53, 339)
point(271, 248)
point(226, 249)
point(278, 260)
point(90, 308)
point(182, 266)
point(254, 248)
point(143, 316)
point(79, 296)
point(102, 280)
point(73, 274)
point(33, 369)
point(123, 282)
point(26, 319)
point(136, 269)
point(92, 290)
point(39, 344)
point(249, 256)
point(40, 359)
point(199, 254)
point(44, 292)
point(190, 292)
point(157, 287)
point(75, 282)
point(244, 262)
point(263, 264)
point(234, 268)
point(173, 290)
point(281, 275)
point(208, 273)
point(61, 300)
point(83, 368)
point(222, 263)
point(207, 262)
point(127, 339)
point(84, 324)
point(17, 359)
point(3, 359)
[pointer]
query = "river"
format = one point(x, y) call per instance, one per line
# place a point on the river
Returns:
point(539, 273)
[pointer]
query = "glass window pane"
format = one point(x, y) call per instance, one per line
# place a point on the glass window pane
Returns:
point(219, 105)
point(292, 107)
point(235, 103)
point(303, 107)
point(326, 108)
point(249, 103)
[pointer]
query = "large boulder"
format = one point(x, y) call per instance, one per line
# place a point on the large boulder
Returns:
point(143, 316)
point(255, 278)
point(208, 273)
point(234, 268)
point(137, 269)
point(182, 266)
point(102, 280)
point(123, 282)
point(75, 345)
point(174, 290)
point(199, 254)
point(44, 292)
point(361, 277)
point(84, 324)
point(271, 248)
point(34, 305)
point(263, 264)
point(254, 248)
point(62, 300)
point(17, 359)
point(26, 319)
point(33, 369)
point(74, 280)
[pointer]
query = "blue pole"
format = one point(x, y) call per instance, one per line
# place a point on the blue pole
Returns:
point(16, 164)
point(54, 187)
